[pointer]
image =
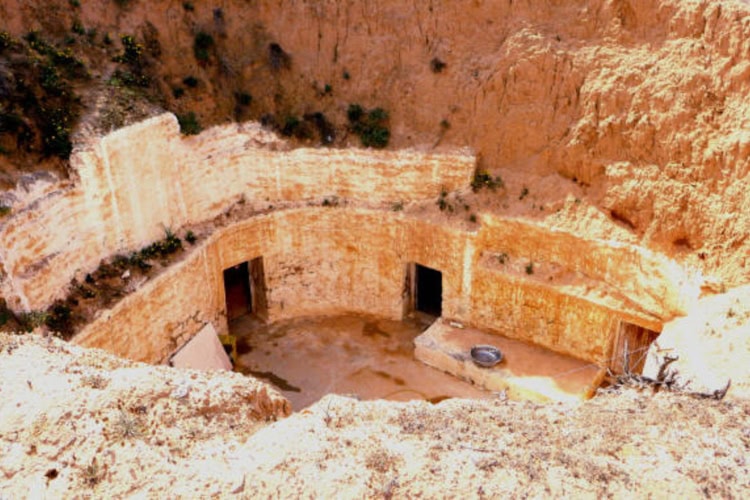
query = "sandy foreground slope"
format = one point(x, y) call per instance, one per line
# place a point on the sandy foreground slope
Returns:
point(82, 423)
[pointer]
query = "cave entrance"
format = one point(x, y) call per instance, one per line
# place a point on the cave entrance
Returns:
point(630, 348)
point(244, 288)
point(425, 287)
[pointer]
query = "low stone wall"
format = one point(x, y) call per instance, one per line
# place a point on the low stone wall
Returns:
point(655, 284)
point(135, 182)
point(334, 260)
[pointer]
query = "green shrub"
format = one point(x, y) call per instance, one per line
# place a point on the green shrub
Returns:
point(370, 126)
point(78, 28)
point(482, 179)
point(202, 44)
point(291, 125)
point(6, 41)
point(59, 319)
point(326, 130)
point(437, 66)
point(189, 124)
point(354, 113)
point(530, 268)
point(188, 6)
point(132, 51)
point(56, 132)
point(277, 58)
point(33, 319)
point(243, 98)
point(190, 81)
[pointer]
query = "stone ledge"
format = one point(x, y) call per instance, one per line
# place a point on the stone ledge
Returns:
point(527, 372)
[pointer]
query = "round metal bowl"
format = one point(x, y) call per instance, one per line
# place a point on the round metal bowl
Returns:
point(486, 356)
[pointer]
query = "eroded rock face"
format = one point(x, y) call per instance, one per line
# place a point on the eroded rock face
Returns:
point(71, 418)
point(642, 101)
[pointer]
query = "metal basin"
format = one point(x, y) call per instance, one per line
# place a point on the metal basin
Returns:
point(486, 356)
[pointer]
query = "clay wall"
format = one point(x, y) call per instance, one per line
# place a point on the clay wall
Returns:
point(336, 260)
point(136, 182)
point(656, 285)
point(316, 261)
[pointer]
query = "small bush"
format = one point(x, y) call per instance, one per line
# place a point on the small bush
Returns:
point(243, 98)
point(60, 319)
point(482, 179)
point(524, 193)
point(189, 124)
point(442, 202)
point(4, 210)
point(188, 6)
point(128, 426)
point(277, 58)
point(325, 129)
point(178, 92)
point(78, 28)
point(437, 66)
point(530, 268)
point(190, 237)
point(190, 81)
point(132, 51)
point(291, 125)
point(33, 319)
point(354, 113)
point(56, 133)
point(371, 126)
point(202, 44)
point(6, 41)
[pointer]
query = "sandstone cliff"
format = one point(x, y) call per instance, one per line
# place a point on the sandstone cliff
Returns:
point(642, 102)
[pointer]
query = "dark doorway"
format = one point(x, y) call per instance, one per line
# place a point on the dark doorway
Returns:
point(244, 287)
point(428, 290)
point(237, 290)
point(630, 348)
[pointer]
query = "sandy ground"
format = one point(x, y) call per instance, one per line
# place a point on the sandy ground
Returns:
point(365, 356)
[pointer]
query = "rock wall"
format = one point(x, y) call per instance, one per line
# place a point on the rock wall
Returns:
point(136, 182)
point(329, 260)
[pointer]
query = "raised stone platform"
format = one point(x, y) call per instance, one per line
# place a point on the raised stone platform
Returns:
point(526, 372)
